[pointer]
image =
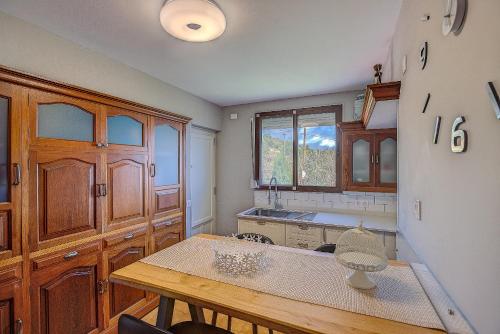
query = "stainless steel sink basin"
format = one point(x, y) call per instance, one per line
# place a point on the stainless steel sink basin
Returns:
point(286, 214)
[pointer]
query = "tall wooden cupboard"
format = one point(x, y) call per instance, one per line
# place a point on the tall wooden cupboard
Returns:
point(89, 183)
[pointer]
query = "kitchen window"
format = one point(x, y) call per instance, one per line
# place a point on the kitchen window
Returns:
point(300, 148)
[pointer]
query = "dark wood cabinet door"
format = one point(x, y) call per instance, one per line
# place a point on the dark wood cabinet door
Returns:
point(126, 130)
point(11, 307)
point(122, 297)
point(386, 160)
point(11, 171)
point(127, 189)
point(65, 298)
point(166, 234)
point(167, 167)
point(360, 158)
point(64, 198)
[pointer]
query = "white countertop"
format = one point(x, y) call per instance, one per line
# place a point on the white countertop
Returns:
point(371, 221)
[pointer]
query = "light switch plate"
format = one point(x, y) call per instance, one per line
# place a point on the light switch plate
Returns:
point(417, 209)
point(233, 116)
point(404, 64)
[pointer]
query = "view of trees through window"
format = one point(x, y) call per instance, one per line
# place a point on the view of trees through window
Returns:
point(316, 149)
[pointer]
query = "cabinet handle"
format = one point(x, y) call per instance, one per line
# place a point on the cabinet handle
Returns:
point(71, 255)
point(372, 159)
point(101, 190)
point(261, 223)
point(19, 326)
point(129, 236)
point(152, 170)
point(102, 286)
point(304, 227)
point(104, 189)
point(303, 245)
point(376, 159)
point(17, 174)
point(133, 252)
point(101, 145)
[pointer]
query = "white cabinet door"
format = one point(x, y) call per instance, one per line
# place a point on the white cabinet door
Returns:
point(274, 231)
point(390, 245)
point(304, 236)
point(333, 233)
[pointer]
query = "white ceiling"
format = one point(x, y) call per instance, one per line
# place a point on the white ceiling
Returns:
point(271, 49)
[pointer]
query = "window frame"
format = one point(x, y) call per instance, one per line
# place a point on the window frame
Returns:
point(295, 113)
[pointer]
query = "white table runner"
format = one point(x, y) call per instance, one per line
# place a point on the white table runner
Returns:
point(312, 277)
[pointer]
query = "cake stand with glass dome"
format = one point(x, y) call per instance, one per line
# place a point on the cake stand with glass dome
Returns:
point(362, 251)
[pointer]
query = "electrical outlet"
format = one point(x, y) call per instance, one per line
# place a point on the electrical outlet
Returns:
point(417, 209)
point(362, 203)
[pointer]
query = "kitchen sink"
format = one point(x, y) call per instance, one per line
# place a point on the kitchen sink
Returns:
point(285, 214)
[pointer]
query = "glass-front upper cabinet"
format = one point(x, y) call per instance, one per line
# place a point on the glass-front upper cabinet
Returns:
point(126, 128)
point(361, 159)
point(386, 160)
point(166, 169)
point(63, 120)
point(11, 171)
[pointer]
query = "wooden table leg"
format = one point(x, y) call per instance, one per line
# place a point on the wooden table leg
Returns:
point(165, 312)
point(196, 313)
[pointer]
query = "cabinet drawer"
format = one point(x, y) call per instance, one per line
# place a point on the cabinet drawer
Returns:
point(166, 236)
point(167, 224)
point(304, 236)
point(124, 237)
point(274, 231)
point(333, 233)
point(66, 255)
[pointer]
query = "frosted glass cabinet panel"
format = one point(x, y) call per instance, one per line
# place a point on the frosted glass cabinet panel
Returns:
point(65, 121)
point(4, 149)
point(388, 161)
point(360, 161)
point(124, 130)
point(166, 155)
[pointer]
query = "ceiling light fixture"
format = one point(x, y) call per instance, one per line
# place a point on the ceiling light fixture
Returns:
point(193, 20)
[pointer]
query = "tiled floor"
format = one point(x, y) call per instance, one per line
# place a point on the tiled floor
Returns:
point(181, 313)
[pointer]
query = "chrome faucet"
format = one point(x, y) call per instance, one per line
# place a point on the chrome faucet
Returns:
point(276, 204)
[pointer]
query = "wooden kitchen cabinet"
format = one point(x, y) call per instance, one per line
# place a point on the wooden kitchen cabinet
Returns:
point(94, 187)
point(11, 301)
point(66, 292)
point(369, 159)
point(10, 170)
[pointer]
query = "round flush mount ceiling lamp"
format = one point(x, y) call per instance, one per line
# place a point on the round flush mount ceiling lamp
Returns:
point(193, 20)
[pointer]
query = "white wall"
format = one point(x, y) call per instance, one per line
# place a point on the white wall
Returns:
point(234, 163)
point(459, 234)
point(31, 49)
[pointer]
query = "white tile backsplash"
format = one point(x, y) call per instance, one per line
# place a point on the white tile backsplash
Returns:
point(348, 200)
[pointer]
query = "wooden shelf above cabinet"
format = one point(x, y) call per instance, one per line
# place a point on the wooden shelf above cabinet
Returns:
point(376, 93)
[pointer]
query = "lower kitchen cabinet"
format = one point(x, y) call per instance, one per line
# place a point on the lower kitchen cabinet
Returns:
point(66, 293)
point(304, 236)
point(275, 231)
point(118, 297)
point(10, 302)
point(166, 234)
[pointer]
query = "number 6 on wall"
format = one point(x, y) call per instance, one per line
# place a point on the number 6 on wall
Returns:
point(458, 137)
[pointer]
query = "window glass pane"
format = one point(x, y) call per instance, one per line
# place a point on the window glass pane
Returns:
point(361, 161)
point(388, 161)
point(166, 155)
point(65, 121)
point(4, 149)
point(276, 153)
point(124, 130)
point(317, 150)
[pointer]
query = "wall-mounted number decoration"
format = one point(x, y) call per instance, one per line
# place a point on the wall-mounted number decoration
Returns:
point(454, 16)
point(437, 126)
point(423, 54)
point(495, 100)
point(426, 102)
point(458, 137)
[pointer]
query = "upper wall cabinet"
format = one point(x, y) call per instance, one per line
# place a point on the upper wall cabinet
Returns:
point(63, 121)
point(125, 129)
point(10, 170)
point(166, 169)
point(369, 158)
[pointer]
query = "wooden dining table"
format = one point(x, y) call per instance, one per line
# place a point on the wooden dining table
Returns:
point(274, 312)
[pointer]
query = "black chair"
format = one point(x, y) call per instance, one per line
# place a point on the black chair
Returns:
point(128, 324)
point(255, 237)
point(326, 248)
